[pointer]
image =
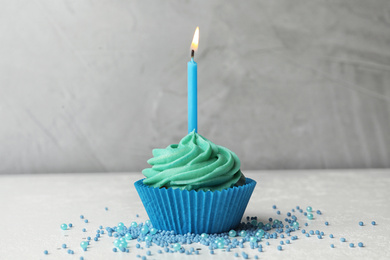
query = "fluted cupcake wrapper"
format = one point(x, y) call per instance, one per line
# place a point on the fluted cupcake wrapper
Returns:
point(196, 212)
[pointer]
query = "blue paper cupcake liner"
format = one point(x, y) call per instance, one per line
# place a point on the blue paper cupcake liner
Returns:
point(196, 212)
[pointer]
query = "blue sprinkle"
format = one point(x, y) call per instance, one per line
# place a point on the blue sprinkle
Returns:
point(361, 223)
point(319, 237)
point(281, 242)
point(331, 245)
point(360, 244)
point(106, 208)
point(351, 245)
point(148, 252)
point(319, 212)
point(45, 252)
point(307, 235)
point(96, 239)
point(311, 232)
point(159, 251)
point(256, 257)
point(143, 257)
point(373, 223)
point(88, 238)
point(287, 241)
point(303, 231)
point(270, 219)
point(306, 223)
point(137, 245)
point(274, 206)
point(326, 223)
point(211, 252)
point(70, 225)
point(280, 248)
point(86, 221)
point(84, 230)
point(236, 254)
point(81, 216)
point(342, 239)
point(278, 212)
point(331, 235)
point(81, 258)
point(322, 233)
point(63, 245)
point(317, 232)
point(288, 214)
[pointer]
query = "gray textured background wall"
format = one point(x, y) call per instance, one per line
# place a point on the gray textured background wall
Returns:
point(89, 86)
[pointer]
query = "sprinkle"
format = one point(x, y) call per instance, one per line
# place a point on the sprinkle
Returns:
point(70, 225)
point(331, 235)
point(84, 230)
point(106, 208)
point(342, 239)
point(274, 206)
point(176, 247)
point(326, 223)
point(319, 212)
point(287, 241)
point(351, 245)
point(360, 244)
point(86, 221)
point(279, 248)
point(309, 209)
point(242, 233)
point(331, 245)
point(45, 252)
point(361, 223)
point(81, 216)
point(232, 233)
point(64, 227)
point(310, 216)
point(277, 212)
point(63, 245)
point(373, 223)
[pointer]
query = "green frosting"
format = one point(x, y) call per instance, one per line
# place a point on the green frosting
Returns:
point(193, 164)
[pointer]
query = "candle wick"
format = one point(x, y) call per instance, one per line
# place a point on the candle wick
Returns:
point(192, 54)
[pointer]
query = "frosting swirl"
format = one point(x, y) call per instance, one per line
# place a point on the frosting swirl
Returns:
point(194, 164)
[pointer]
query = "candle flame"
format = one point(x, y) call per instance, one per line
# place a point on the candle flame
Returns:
point(195, 40)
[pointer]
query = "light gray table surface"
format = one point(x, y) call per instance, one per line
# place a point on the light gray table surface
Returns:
point(34, 206)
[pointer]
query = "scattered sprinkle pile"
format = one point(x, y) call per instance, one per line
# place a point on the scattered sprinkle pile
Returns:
point(253, 232)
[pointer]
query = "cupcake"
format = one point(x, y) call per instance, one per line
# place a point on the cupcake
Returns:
point(195, 186)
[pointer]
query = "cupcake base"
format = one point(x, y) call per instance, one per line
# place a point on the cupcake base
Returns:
point(184, 211)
